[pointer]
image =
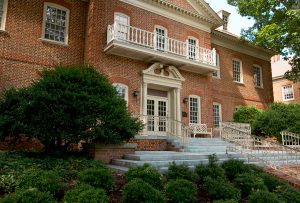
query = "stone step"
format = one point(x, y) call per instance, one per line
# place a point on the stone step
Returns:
point(118, 169)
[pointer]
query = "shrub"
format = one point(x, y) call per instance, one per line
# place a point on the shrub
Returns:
point(249, 182)
point(137, 191)
point(7, 184)
point(246, 114)
point(221, 189)
point(79, 98)
point(101, 178)
point(180, 172)
point(45, 181)
point(288, 194)
point(225, 201)
point(180, 191)
point(147, 173)
point(85, 194)
point(28, 196)
point(234, 167)
point(271, 182)
point(263, 197)
point(211, 171)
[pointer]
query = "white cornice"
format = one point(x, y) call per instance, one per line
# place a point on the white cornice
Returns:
point(233, 42)
point(174, 12)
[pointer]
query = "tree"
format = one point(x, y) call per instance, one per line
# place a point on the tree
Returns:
point(276, 27)
point(66, 105)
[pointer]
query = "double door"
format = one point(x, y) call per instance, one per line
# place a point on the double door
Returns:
point(157, 114)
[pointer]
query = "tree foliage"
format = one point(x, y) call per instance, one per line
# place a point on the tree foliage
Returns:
point(66, 105)
point(276, 27)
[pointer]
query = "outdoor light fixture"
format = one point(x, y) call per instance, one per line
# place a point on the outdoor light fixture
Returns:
point(185, 100)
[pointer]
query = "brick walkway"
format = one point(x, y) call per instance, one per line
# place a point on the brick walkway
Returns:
point(283, 174)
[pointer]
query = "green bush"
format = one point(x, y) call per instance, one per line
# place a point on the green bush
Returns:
point(221, 189)
point(147, 173)
point(181, 190)
point(249, 182)
point(234, 167)
point(271, 182)
point(225, 201)
point(86, 194)
point(211, 171)
point(138, 191)
point(277, 118)
point(28, 196)
point(263, 197)
point(288, 194)
point(180, 172)
point(246, 114)
point(79, 98)
point(8, 184)
point(44, 181)
point(101, 178)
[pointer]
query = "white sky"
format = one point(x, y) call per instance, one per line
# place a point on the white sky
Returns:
point(236, 22)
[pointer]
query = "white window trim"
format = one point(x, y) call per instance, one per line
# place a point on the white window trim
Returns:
point(126, 90)
point(199, 108)
point(166, 36)
point(218, 66)
point(3, 21)
point(196, 48)
point(220, 114)
point(67, 23)
point(283, 97)
point(241, 74)
point(261, 76)
point(122, 14)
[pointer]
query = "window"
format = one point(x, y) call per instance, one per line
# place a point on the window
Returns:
point(257, 76)
point(237, 71)
point(3, 11)
point(216, 73)
point(192, 48)
point(56, 19)
point(122, 91)
point(217, 114)
point(225, 19)
point(195, 109)
point(161, 34)
point(123, 23)
point(287, 92)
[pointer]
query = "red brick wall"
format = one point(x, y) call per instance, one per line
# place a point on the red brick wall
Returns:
point(278, 84)
point(23, 53)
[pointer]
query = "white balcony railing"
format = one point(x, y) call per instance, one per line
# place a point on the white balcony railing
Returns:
point(152, 40)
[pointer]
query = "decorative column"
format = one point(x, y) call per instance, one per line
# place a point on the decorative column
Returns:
point(144, 97)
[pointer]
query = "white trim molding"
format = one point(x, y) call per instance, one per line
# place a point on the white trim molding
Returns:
point(66, 26)
point(4, 14)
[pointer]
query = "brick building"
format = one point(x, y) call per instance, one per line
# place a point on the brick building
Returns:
point(172, 60)
point(285, 90)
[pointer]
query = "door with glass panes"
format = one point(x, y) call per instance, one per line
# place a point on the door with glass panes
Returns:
point(157, 114)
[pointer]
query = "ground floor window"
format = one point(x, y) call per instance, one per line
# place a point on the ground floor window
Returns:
point(217, 114)
point(195, 109)
point(122, 91)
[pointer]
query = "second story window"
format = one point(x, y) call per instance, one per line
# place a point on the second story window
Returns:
point(123, 23)
point(216, 73)
point(56, 19)
point(192, 48)
point(237, 71)
point(3, 10)
point(257, 76)
point(287, 92)
point(161, 34)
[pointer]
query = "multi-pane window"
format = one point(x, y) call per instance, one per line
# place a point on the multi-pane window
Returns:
point(122, 91)
point(194, 109)
point(225, 19)
point(257, 76)
point(56, 23)
point(161, 34)
point(287, 92)
point(237, 71)
point(217, 116)
point(123, 22)
point(3, 8)
point(216, 73)
point(192, 46)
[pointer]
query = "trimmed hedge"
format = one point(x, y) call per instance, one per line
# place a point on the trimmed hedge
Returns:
point(28, 196)
point(180, 172)
point(181, 191)
point(97, 177)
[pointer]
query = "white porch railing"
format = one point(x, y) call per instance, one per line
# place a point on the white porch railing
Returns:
point(161, 125)
point(290, 139)
point(269, 152)
point(152, 40)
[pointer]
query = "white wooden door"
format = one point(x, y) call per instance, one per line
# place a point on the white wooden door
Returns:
point(157, 114)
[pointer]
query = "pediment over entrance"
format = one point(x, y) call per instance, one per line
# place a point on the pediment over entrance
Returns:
point(162, 71)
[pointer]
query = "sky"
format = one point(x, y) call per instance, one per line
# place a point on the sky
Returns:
point(236, 22)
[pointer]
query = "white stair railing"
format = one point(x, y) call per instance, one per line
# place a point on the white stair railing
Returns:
point(266, 151)
point(290, 139)
point(144, 38)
